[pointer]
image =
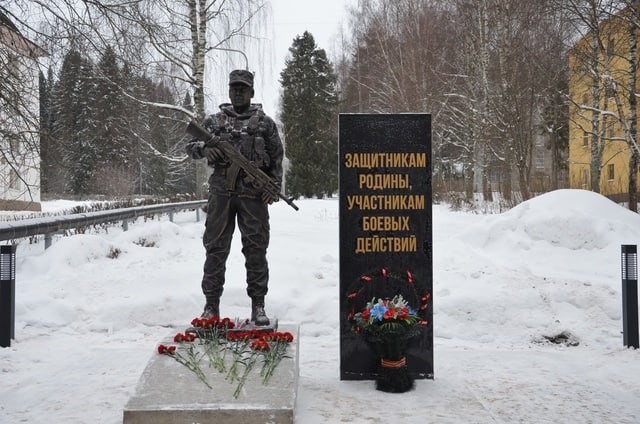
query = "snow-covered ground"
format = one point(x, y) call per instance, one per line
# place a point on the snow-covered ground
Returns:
point(87, 324)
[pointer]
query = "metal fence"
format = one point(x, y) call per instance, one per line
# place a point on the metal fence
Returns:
point(48, 226)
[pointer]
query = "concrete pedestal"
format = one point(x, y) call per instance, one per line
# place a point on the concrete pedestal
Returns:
point(169, 393)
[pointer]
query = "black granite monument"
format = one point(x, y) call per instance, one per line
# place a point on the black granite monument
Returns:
point(385, 226)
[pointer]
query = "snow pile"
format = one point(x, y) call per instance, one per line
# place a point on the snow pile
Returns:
point(548, 266)
point(507, 288)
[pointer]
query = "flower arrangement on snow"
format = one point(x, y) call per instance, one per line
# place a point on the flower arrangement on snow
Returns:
point(387, 310)
point(212, 342)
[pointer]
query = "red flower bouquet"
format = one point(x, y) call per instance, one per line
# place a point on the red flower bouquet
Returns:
point(390, 317)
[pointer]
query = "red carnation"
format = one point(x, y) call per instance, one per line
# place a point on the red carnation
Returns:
point(404, 313)
point(366, 314)
point(384, 272)
point(269, 336)
point(260, 345)
point(366, 278)
point(390, 313)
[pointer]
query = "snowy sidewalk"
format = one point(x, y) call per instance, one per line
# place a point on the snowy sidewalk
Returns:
point(87, 324)
point(482, 384)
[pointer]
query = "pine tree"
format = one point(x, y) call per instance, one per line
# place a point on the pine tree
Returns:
point(110, 140)
point(47, 153)
point(309, 115)
point(74, 125)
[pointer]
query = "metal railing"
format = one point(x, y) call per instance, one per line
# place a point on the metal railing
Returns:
point(48, 226)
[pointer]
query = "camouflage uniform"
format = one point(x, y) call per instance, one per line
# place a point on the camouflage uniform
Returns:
point(255, 135)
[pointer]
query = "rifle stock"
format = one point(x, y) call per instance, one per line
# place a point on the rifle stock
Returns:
point(257, 176)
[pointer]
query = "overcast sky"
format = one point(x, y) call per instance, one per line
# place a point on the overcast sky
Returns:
point(291, 18)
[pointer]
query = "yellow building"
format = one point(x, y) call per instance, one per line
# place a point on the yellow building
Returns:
point(609, 67)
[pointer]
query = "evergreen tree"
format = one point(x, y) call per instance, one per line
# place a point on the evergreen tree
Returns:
point(47, 151)
point(95, 140)
point(113, 149)
point(74, 124)
point(309, 115)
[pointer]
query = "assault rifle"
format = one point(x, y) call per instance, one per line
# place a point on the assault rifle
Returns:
point(254, 175)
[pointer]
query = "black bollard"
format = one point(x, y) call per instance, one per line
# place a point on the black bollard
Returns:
point(630, 295)
point(7, 294)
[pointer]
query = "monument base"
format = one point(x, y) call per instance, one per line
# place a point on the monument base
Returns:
point(169, 393)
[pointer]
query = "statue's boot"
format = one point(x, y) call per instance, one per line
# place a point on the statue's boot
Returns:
point(258, 315)
point(211, 309)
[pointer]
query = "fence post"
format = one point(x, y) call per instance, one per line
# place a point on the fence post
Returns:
point(630, 295)
point(7, 294)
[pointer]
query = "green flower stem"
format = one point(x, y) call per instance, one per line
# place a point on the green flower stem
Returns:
point(238, 350)
point(192, 362)
point(214, 344)
point(248, 366)
point(216, 354)
point(271, 360)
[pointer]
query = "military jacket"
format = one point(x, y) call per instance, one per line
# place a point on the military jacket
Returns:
point(254, 135)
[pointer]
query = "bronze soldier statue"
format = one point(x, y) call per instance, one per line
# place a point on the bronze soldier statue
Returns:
point(234, 195)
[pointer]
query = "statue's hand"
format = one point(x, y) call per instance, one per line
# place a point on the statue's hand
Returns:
point(269, 198)
point(213, 154)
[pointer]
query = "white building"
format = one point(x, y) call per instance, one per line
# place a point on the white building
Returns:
point(19, 120)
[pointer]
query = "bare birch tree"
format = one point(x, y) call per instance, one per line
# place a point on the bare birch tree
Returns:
point(592, 64)
point(170, 39)
point(624, 25)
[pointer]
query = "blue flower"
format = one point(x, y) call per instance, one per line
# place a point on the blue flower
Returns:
point(378, 311)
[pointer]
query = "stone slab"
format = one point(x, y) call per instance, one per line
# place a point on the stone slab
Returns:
point(385, 203)
point(169, 393)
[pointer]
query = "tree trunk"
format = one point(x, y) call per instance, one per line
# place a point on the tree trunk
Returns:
point(523, 183)
point(468, 183)
point(634, 161)
point(198, 22)
point(596, 156)
point(507, 190)
point(633, 118)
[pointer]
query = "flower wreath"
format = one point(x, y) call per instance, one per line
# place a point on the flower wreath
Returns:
point(388, 310)
point(383, 300)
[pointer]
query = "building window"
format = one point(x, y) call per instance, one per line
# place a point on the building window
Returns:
point(539, 158)
point(610, 172)
point(610, 47)
point(14, 144)
point(611, 132)
point(585, 178)
point(609, 89)
point(14, 180)
point(13, 66)
point(585, 139)
point(10, 147)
